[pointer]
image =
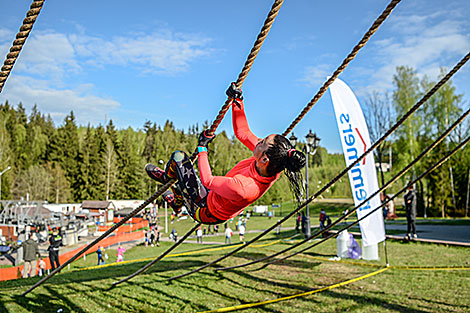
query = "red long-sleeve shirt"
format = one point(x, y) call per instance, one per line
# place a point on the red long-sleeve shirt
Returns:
point(242, 185)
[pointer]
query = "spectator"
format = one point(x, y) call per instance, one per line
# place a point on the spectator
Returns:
point(55, 241)
point(410, 205)
point(391, 215)
point(146, 239)
point(120, 254)
point(42, 267)
point(242, 232)
point(174, 235)
point(384, 208)
point(30, 254)
point(278, 228)
point(99, 252)
point(157, 236)
point(204, 230)
point(152, 237)
point(228, 235)
point(199, 234)
point(6, 251)
point(216, 229)
point(270, 214)
point(297, 223)
point(325, 220)
point(303, 223)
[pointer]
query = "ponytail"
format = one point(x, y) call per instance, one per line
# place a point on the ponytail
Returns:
point(283, 157)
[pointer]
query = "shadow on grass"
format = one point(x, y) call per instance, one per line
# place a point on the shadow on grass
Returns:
point(465, 307)
point(265, 281)
point(228, 295)
point(288, 262)
point(197, 303)
point(114, 272)
point(370, 300)
point(42, 302)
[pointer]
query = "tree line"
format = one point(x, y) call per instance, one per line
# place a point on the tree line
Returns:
point(444, 192)
point(72, 163)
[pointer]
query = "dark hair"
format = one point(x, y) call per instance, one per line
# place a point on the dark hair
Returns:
point(283, 156)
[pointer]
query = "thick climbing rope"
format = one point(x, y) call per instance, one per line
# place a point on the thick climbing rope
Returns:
point(249, 62)
point(430, 169)
point(241, 78)
point(18, 43)
point(148, 265)
point(346, 170)
point(344, 64)
point(354, 52)
point(377, 192)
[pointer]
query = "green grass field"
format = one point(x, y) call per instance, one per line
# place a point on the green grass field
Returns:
point(395, 290)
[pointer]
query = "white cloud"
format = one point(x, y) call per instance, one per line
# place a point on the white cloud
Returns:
point(53, 55)
point(315, 76)
point(48, 55)
point(423, 42)
point(88, 108)
point(47, 71)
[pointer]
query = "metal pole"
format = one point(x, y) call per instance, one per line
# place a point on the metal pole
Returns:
point(468, 192)
point(166, 218)
point(307, 231)
point(452, 189)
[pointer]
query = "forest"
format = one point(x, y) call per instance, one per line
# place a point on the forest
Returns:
point(72, 163)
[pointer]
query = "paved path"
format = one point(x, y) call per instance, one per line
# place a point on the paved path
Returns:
point(458, 233)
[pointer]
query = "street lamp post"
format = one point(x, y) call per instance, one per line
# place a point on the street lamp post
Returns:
point(312, 141)
point(1, 173)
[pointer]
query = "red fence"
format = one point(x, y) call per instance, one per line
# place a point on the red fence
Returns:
point(15, 272)
point(126, 228)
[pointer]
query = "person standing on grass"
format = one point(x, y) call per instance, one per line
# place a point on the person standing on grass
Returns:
point(241, 232)
point(174, 235)
point(152, 237)
point(30, 254)
point(303, 223)
point(228, 235)
point(157, 236)
point(55, 241)
point(42, 267)
point(297, 223)
point(120, 254)
point(410, 205)
point(146, 238)
point(99, 252)
point(199, 234)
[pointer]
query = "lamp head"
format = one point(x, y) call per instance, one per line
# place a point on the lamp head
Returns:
point(293, 140)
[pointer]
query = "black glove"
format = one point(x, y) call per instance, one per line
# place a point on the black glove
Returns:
point(234, 92)
point(204, 139)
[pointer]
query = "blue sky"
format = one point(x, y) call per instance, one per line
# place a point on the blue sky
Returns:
point(133, 61)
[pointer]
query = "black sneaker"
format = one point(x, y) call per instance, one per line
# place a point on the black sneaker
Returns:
point(156, 173)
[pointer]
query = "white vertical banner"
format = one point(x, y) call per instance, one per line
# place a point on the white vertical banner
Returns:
point(355, 141)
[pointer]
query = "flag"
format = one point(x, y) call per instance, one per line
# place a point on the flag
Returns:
point(355, 141)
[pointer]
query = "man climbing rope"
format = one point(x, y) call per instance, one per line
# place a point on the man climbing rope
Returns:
point(215, 199)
